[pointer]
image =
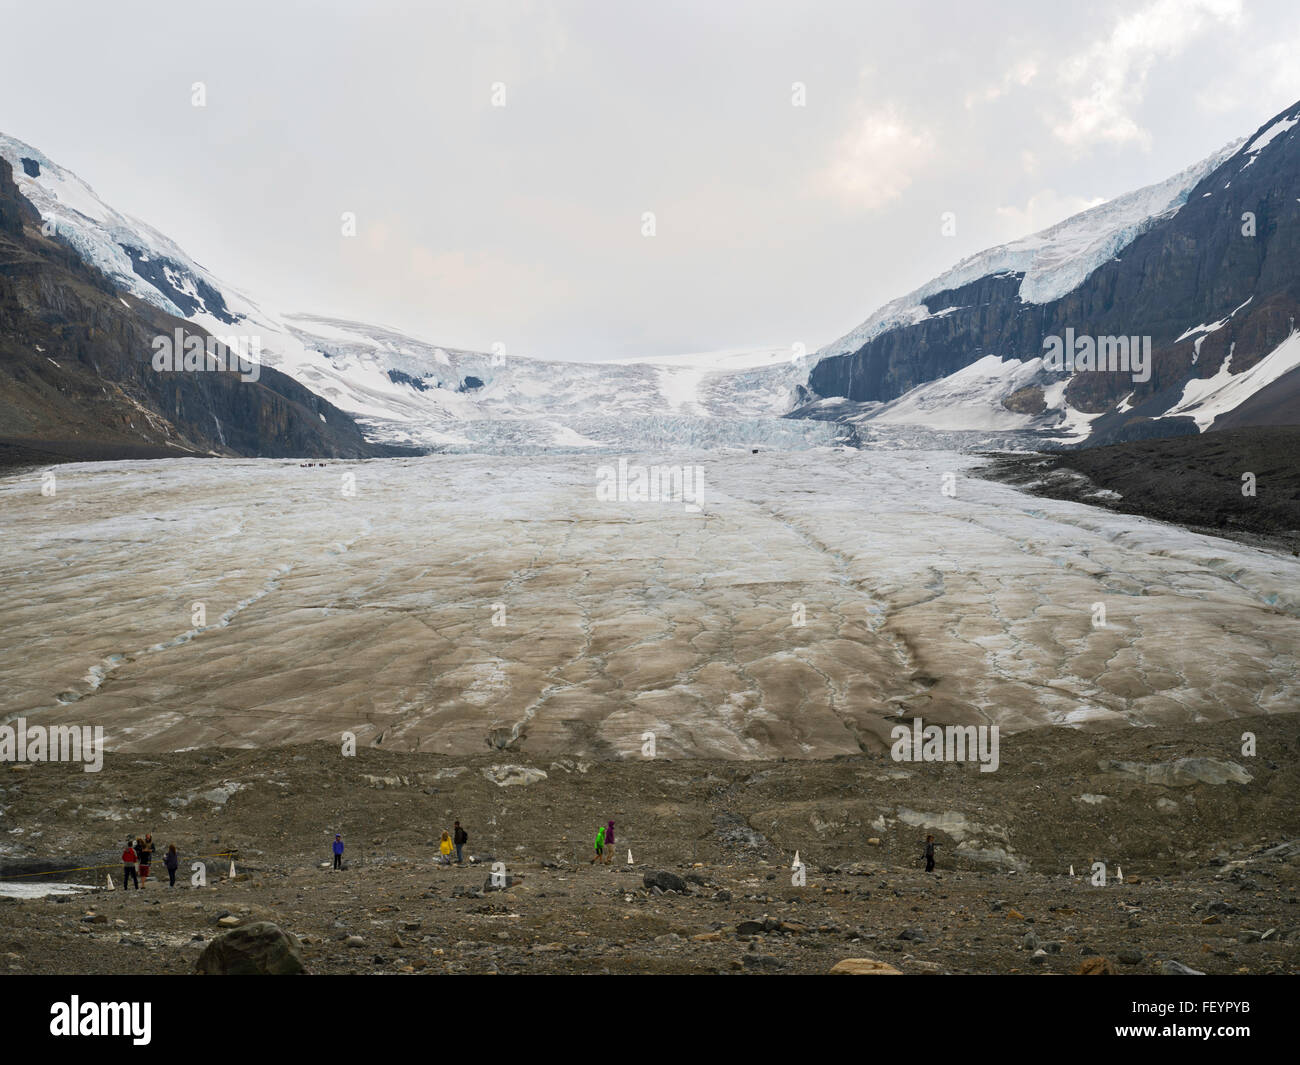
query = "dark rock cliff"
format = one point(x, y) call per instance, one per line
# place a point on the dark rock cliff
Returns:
point(75, 367)
point(1195, 267)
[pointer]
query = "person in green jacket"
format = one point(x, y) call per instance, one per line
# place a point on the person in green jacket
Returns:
point(600, 846)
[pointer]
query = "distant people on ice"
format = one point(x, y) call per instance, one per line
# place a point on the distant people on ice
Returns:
point(338, 852)
point(459, 837)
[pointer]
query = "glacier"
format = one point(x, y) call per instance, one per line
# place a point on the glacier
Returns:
point(374, 612)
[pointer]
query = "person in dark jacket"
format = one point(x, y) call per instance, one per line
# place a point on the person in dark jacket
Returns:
point(459, 837)
point(609, 842)
point(128, 866)
point(929, 854)
point(338, 852)
point(146, 858)
point(171, 860)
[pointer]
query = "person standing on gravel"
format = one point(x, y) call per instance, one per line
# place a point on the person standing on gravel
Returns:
point(141, 868)
point(171, 860)
point(338, 852)
point(609, 842)
point(128, 867)
point(929, 854)
point(600, 845)
point(459, 837)
point(146, 858)
point(444, 849)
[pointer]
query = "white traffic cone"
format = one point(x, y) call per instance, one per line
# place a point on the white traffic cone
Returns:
point(109, 877)
point(629, 856)
point(795, 863)
point(232, 870)
point(1072, 870)
point(1119, 874)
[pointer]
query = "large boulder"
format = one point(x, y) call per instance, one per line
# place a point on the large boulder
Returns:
point(664, 881)
point(259, 949)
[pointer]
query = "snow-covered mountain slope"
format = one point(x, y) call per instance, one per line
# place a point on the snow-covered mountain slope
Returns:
point(134, 256)
point(1049, 263)
point(1200, 274)
point(402, 390)
point(1206, 398)
point(77, 378)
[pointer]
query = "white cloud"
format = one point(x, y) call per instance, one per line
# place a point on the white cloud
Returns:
point(876, 159)
point(1106, 81)
point(1018, 75)
point(1263, 79)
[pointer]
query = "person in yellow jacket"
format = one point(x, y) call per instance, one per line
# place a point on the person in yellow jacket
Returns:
point(444, 849)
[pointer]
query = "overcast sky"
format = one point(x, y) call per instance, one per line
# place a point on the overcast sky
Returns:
point(775, 224)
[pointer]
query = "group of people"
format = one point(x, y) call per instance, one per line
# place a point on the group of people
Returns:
point(604, 844)
point(139, 853)
point(452, 842)
point(138, 857)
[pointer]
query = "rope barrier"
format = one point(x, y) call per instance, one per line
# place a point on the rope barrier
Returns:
point(106, 865)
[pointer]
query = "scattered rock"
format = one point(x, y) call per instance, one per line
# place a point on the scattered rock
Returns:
point(863, 967)
point(505, 776)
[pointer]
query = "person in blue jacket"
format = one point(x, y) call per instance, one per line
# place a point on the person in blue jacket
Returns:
point(338, 852)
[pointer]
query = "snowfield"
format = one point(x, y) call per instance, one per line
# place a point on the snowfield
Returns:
point(323, 612)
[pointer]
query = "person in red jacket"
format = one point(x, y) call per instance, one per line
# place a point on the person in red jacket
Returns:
point(128, 867)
